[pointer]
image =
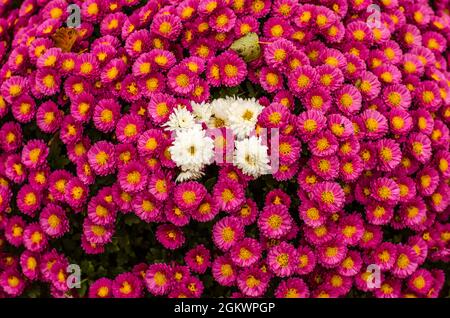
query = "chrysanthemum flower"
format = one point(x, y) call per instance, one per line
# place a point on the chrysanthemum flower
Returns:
point(101, 288)
point(28, 200)
point(101, 158)
point(389, 154)
point(170, 236)
point(158, 279)
point(14, 229)
point(23, 109)
point(421, 281)
point(252, 281)
point(76, 193)
point(198, 259)
point(127, 285)
point(53, 220)
point(95, 233)
point(329, 196)
point(12, 283)
point(224, 271)
point(292, 288)
point(302, 79)
point(283, 259)
point(133, 177)
point(34, 153)
point(274, 221)
point(226, 232)
point(34, 238)
point(167, 26)
point(405, 263)
point(246, 252)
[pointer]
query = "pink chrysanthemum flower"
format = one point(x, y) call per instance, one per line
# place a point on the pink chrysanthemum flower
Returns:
point(331, 254)
point(133, 177)
point(226, 232)
point(28, 200)
point(23, 109)
point(53, 220)
point(351, 264)
point(348, 99)
point(13, 88)
point(34, 153)
point(34, 238)
point(127, 285)
point(176, 215)
point(29, 263)
point(292, 288)
point(302, 79)
point(106, 113)
point(101, 158)
point(420, 147)
point(405, 263)
point(229, 195)
point(182, 80)
point(275, 221)
point(421, 281)
point(252, 281)
point(224, 271)
point(12, 283)
point(158, 279)
point(350, 229)
point(385, 255)
point(146, 207)
point(99, 212)
point(379, 213)
point(167, 26)
point(325, 167)
point(188, 195)
point(129, 128)
point(427, 181)
point(101, 288)
point(71, 130)
point(246, 252)
point(97, 234)
point(206, 210)
point(400, 121)
point(48, 81)
point(385, 190)
point(76, 193)
point(389, 154)
point(14, 229)
point(283, 259)
point(48, 117)
point(198, 259)
point(170, 236)
point(329, 196)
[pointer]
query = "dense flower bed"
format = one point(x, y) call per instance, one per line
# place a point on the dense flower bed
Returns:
point(107, 160)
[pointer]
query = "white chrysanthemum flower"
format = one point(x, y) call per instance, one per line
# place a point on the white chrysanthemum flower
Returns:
point(202, 112)
point(189, 175)
point(192, 149)
point(251, 157)
point(181, 118)
point(243, 116)
point(219, 109)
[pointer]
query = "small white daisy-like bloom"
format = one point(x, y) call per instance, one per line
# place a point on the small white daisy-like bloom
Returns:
point(219, 109)
point(192, 149)
point(251, 156)
point(243, 116)
point(189, 175)
point(181, 118)
point(202, 112)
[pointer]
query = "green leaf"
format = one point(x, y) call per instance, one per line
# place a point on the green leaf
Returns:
point(247, 47)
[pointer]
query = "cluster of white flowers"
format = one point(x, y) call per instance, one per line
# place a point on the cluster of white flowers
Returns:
point(193, 149)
